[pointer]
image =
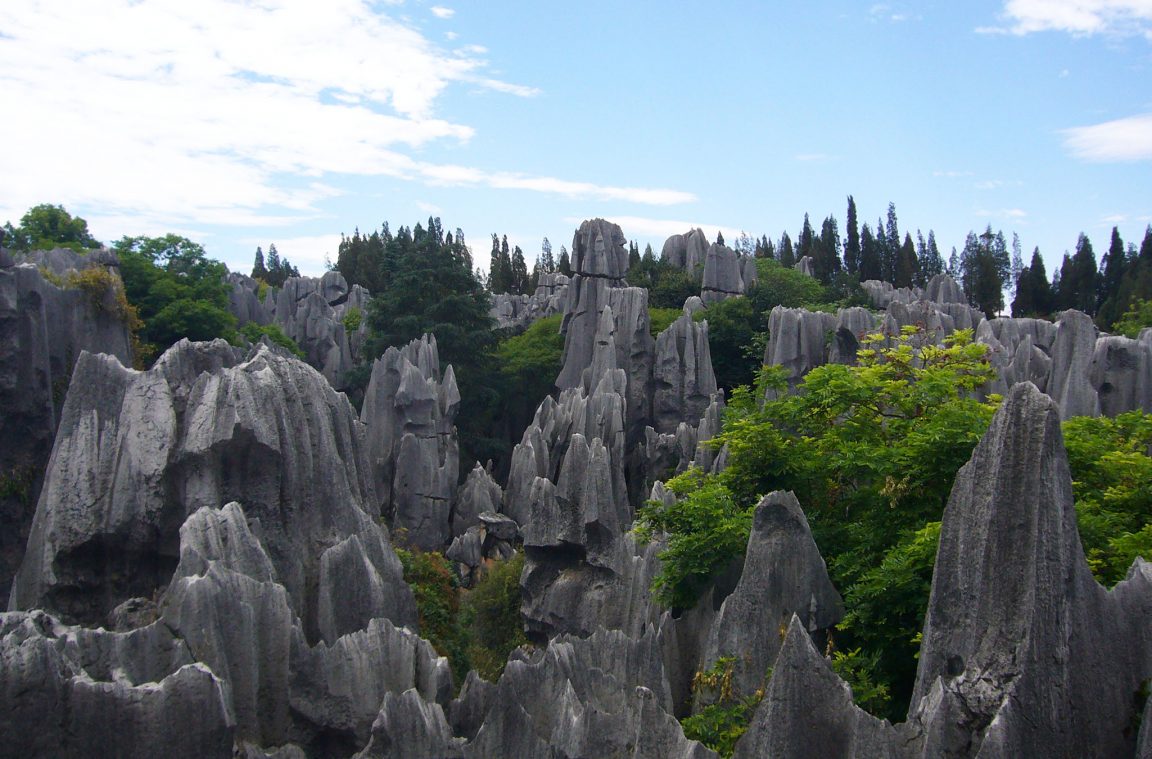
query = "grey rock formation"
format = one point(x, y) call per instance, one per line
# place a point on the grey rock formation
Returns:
point(70, 692)
point(410, 410)
point(409, 727)
point(604, 696)
point(807, 711)
point(244, 300)
point(783, 576)
point(1121, 374)
point(1072, 350)
point(884, 294)
point(311, 311)
point(478, 494)
point(723, 274)
point(517, 312)
point(138, 452)
point(943, 289)
point(686, 251)
point(599, 264)
point(43, 330)
point(806, 265)
point(798, 340)
point(1023, 652)
point(683, 381)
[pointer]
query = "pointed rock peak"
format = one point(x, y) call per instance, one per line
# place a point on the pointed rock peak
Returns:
point(692, 304)
point(222, 535)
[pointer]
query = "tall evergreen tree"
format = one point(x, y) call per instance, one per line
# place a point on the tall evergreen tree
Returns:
point(1078, 287)
point(804, 243)
point(907, 265)
point(273, 265)
point(787, 255)
point(719, 237)
point(519, 266)
point(259, 270)
point(891, 244)
point(564, 264)
point(1033, 293)
point(547, 262)
point(1114, 268)
point(826, 251)
point(869, 255)
point(852, 244)
point(1017, 259)
point(985, 266)
point(633, 255)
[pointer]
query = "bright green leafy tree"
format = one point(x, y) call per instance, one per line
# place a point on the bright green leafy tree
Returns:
point(49, 226)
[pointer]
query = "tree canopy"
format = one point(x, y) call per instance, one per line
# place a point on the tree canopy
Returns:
point(47, 226)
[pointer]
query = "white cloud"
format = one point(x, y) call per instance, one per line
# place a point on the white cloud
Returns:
point(427, 207)
point(439, 11)
point(951, 174)
point(1078, 17)
point(997, 184)
point(221, 112)
point(1126, 139)
point(1116, 218)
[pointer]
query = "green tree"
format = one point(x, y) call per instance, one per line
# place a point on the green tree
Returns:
point(787, 255)
point(259, 270)
point(178, 291)
point(871, 451)
point(49, 226)
point(870, 265)
point(984, 269)
point(907, 265)
point(564, 264)
point(1033, 293)
point(1114, 268)
point(852, 244)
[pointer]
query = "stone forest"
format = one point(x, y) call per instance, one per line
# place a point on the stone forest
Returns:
point(872, 519)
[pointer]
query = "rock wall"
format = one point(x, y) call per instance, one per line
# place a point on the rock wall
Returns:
point(311, 311)
point(43, 330)
point(687, 251)
point(409, 412)
point(517, 312)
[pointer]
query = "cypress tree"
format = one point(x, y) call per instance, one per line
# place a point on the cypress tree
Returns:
point(787, 256)
point(852, 245)
point(564, 265)
point(1115, 267)
point(869, 255)
point(259, 270)
point(907, 266)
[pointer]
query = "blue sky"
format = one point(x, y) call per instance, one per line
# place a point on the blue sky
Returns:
point(241, 123)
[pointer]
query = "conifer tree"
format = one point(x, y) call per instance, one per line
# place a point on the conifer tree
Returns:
point(547, 262)
point(519, 267)
point(907, 265)
point(1114, 268)
point(804, 244)
point(787, 255)
point(259, 270)
point(869, 255)
point(564, 264)
point(852, 243)
point(1017, 259)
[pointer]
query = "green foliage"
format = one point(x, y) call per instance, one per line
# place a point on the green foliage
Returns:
point(777, 285)
point(705, 529)
point(871, 452)
point(856, 668)
point(491, 612)
point(733, 325)
point(721, 723)
point(438, 605)
point(352, 320)
point(47, 226)
point(177, 290)
point(660, 319)
point(669, 287)
point(252, 332)
point(16, 484)
point(1112, 483)
point(1136, 318)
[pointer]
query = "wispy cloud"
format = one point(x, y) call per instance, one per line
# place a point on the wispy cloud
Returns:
point(218, 112)
point(309, 253)
point(951, 174)
point(997, 184)
point(439, 11)
point(1078, 17)
point(1015, 214)
point(1127, 139)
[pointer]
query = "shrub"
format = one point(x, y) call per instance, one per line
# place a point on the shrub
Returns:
point(435, 588)
point(720, 724)
point(252, 332)
point(660, 319)
point(353, 318)
point(491, 613)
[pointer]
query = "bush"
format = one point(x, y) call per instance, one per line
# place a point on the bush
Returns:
point(720, 724)
point(438, 604)
point(253, 332)
point(353, 318)
point(660, 319)
point(491, 613)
